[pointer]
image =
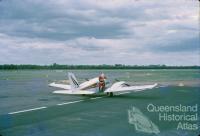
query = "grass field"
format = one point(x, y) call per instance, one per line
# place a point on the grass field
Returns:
point(28, 106)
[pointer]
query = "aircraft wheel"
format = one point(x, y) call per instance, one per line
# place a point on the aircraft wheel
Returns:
point(111, 94)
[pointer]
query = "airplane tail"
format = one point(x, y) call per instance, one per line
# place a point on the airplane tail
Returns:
point(73, 81)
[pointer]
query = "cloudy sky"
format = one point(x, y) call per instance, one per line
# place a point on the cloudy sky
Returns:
point(134, 32)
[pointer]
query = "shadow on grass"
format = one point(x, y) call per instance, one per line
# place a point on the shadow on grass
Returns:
point(135, 97)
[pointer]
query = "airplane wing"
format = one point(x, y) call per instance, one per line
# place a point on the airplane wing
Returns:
point(76, 92)
point(91, 83)
point(87, 87)
point(123, 87)
point(62, 86)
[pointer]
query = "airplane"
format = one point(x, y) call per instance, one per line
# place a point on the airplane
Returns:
point(95, 86)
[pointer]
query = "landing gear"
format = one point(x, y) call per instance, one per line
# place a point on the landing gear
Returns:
point(110, 94)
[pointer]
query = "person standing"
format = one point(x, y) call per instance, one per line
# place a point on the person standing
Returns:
point(102, 84)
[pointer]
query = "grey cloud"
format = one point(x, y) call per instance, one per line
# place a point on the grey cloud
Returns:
point(25, 18)
point(88, 32)
point(184, 45)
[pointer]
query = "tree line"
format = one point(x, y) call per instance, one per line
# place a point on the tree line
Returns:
point(104, 66)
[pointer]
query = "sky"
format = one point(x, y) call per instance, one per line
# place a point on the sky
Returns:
point(131, 32)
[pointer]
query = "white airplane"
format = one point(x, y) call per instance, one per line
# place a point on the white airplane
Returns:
point(92, 87)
